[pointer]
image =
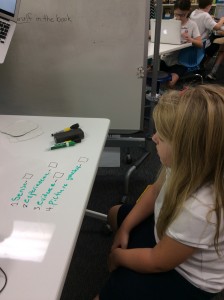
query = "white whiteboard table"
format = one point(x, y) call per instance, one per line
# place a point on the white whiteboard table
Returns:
point(44, 195)
point(166, 48)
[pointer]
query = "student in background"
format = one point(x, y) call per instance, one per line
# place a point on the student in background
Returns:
point(189, 33)
point(206, 24)
point(218, 61)
point(170, 244)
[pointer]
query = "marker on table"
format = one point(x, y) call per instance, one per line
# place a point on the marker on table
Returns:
point(74, 126)
point(63, 145)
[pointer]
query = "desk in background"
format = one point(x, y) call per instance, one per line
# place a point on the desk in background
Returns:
point(165, 48)
point(44, 195)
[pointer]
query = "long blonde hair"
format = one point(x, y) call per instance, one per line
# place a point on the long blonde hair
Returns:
point(193, 122)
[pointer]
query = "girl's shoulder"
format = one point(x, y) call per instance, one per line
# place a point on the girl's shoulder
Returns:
point(196, 221)
point(201, 203)
point(204, 195)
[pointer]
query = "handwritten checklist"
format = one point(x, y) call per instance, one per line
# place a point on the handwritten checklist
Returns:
point(43, 192)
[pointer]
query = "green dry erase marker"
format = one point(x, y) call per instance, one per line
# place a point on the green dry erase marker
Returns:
point(63, 145)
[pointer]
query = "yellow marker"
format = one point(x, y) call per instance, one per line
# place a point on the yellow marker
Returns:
point(74, 126)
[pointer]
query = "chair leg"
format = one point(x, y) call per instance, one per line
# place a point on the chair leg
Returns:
point(199, 76)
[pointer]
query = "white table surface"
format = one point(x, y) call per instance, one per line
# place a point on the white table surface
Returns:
point(165, 48)
point(44, 195)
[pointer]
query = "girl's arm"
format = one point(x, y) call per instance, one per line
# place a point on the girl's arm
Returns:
point(143, 208)
point(197, 42)
point(145, 204)
point(166, 255)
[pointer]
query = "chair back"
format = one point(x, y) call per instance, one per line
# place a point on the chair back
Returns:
point(191, 57)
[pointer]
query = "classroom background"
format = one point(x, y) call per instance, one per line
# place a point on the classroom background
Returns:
point(88, 268)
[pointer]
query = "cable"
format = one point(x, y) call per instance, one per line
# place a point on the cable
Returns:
point(5, 276)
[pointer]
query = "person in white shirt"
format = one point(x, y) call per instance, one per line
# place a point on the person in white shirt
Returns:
point(206, 25)
point(170, 244)
point(189, 33)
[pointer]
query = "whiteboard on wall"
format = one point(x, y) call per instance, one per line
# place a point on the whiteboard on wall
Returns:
point(78, 58)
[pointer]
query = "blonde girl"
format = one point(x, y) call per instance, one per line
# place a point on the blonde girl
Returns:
point(170, 244)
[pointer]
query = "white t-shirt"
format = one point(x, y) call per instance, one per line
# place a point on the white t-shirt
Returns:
point(204, 269)
point(204, 21)
point(192, 29)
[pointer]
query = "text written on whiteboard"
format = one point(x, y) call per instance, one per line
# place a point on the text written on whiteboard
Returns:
point(45, 192)
point(45, 18)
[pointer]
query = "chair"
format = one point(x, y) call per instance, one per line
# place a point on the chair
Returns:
point(149, 103)
point(162, 78)
point(191, 58)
